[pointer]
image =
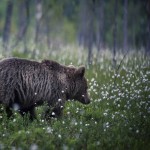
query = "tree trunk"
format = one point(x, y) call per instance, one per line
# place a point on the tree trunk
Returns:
point(48, 33)
point(86, 31)
point(115, 33)
point(125, 26)
point(82, 24)
point(7, 26)
point(90, 29)
point(24, 17)
point(47, 19)
point(148, 28)
point(38, 16)
point(100, 33)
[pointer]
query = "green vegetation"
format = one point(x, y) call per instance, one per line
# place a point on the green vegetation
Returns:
point(118, 116)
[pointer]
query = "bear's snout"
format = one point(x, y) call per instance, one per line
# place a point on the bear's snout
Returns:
point(85, 99)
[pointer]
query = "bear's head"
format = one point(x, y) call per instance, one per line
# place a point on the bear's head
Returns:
point(78, 85)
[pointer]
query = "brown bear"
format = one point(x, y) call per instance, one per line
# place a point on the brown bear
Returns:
point(25, 84)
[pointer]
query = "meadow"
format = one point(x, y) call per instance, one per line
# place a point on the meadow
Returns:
point(118, 116)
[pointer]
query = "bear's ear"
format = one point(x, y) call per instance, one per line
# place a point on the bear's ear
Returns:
point(80, 71)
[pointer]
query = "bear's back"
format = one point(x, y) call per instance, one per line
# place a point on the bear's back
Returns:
point(15, 66)
point(16, 63)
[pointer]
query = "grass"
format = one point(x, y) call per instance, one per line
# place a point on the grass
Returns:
point(118, 116)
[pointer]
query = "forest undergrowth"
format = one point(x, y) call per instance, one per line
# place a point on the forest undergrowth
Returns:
point(118, 116)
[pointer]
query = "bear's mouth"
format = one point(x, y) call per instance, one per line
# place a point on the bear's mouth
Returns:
point(85, 100)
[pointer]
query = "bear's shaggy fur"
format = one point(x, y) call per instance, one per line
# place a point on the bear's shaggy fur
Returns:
point(27, 84)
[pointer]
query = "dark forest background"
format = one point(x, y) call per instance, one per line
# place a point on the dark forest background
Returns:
point(115, 24)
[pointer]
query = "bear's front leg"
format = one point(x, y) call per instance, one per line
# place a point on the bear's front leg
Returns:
point(56, 110)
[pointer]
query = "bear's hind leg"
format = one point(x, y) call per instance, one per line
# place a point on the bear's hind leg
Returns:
point(9, 112)
point(32, 114)
point(30, 111)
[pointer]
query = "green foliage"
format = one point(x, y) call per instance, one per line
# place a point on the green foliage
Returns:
point(63, 20)
point(116, 118)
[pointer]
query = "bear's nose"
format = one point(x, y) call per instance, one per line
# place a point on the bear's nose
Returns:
point(87, 101)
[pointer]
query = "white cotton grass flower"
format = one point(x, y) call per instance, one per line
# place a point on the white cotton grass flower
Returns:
point(105, 114)
point(80, 122)
point(137, 131)
point(92, 80)
point(16, 106)
point(34, 147)
point(68, 112)
point(14, 120)
point(59, 100)
point(53, 113)
point(81, 130)
point(49, 130)
point(75, 123)
point(87, 124)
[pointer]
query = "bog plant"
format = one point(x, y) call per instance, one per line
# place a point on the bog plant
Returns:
point(118, 116)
